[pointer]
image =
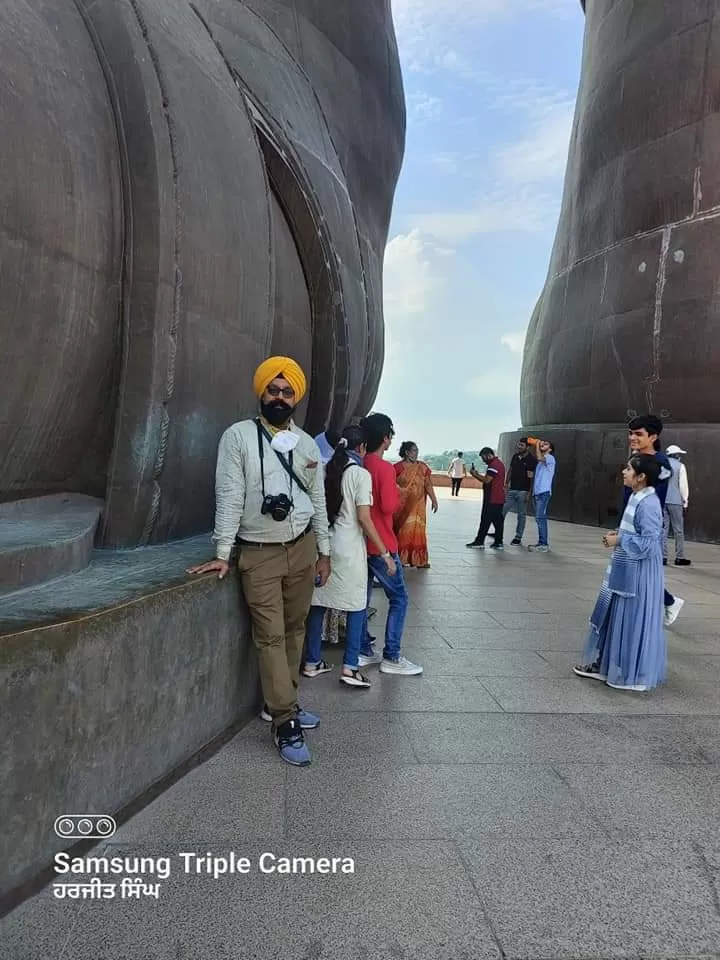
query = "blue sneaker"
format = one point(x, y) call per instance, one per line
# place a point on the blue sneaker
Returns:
point(290, 742)
point(308, 721)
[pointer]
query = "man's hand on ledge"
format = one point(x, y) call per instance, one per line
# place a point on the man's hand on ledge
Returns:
point(222, 567)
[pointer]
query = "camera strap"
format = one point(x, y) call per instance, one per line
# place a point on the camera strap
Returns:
point(287, 467)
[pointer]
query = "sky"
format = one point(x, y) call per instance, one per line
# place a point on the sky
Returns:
point(490, 87)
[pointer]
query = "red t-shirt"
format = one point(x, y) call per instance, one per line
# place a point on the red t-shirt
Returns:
point(386, 501)
point(496, 489)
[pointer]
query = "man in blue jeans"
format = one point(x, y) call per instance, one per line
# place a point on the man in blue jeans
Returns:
point(518, 484)
point(542, 491)
point(378, 430)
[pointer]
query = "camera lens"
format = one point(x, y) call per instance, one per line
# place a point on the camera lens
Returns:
point(278, 507)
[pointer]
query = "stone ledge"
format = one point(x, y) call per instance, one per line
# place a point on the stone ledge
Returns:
point(43, 538)
point(108, 691)
point(111, 578)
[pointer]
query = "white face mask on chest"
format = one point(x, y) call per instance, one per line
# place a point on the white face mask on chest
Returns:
point(285, 441)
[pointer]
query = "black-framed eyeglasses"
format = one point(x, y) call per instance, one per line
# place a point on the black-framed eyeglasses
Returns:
point(287, 393)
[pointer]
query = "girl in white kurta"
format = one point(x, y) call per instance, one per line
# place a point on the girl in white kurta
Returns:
point(348, 490)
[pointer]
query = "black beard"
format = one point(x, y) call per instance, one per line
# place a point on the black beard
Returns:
point(277, 412)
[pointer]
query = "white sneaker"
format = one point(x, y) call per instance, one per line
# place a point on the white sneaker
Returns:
point(673, 611)
point(401, 667)
point(364, 661)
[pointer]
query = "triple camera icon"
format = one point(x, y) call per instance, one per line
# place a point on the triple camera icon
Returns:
point(85, 826)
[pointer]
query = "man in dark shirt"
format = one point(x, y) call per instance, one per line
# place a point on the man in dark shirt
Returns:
point(644, 437)
point(493, 481)
point(518, 485)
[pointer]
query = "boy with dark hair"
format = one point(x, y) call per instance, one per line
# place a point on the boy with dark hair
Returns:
point(644, 436)
point(457, 473)
point(379, 431)
point(518, 484)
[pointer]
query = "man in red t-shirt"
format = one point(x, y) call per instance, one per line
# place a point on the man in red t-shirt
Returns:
point(378, 431)
point(493, 481)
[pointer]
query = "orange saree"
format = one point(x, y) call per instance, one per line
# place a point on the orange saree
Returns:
point(410, 522)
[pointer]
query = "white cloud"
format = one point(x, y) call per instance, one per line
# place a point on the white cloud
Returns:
point(493, 148)
point(426, 28)
point(409, 280)
point(427, 305)
point(413, 279)
point(524, 211)
point(423, 106)
point(427, 13)
point(542, 153)
point(465, 164)
point(524, 95)
point(525, 174)
point(539, 153)
point(418, 20)
point(515, 342)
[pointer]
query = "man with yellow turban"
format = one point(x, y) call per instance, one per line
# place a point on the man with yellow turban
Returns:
point(283, 368)
point(270, 501)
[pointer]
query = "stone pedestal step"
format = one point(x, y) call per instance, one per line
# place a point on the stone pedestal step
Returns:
point(45, 537)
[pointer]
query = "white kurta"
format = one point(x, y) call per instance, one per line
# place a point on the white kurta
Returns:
point(346, 588)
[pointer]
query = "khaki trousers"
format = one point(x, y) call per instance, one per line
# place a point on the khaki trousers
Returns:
point(278, 583)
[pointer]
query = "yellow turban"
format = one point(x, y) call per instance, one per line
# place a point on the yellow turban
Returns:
point(284, 367)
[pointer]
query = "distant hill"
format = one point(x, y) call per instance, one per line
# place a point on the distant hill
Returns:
point(440, 462)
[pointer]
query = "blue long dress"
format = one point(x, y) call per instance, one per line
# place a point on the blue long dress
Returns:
point(626, 635)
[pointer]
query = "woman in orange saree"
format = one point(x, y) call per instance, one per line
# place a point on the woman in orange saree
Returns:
point(415, 483)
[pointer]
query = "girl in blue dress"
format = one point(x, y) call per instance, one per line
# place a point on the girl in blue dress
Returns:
point(626, 646)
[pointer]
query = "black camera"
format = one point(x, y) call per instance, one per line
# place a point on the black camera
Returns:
point(278, 507)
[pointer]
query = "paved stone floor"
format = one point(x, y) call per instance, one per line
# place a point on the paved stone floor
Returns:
point(496, 807)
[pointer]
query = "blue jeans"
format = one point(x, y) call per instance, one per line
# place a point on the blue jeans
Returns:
point(396, 592)
point(516, 502)
point(313, 635)
point(542, 501)
point(355, 630)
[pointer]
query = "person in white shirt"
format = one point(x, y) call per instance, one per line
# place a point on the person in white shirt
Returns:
point(348, 490)
point(676, 502)
point(457, 473)
point(270, 500)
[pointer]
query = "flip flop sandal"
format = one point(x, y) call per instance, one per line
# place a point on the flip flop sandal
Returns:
point(356, 679)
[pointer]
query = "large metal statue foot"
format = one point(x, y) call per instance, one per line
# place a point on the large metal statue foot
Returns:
point(628, 318)
point(191, 188)
point(187, 188)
